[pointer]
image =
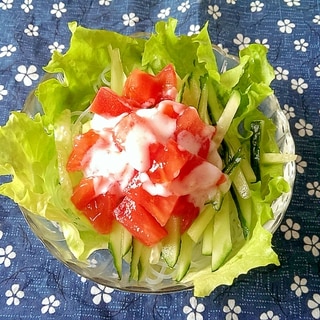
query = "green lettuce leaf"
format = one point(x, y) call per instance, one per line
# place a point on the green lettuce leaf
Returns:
point(82, 66)
point(256, 252)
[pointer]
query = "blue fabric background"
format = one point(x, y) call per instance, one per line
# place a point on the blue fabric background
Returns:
point(34, 285)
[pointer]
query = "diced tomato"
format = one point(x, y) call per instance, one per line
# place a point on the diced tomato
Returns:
point(83, 193)
point(167, 161)
point(197, 175)
point(81, 146)
point(171, 108)
point(147, 89)
point(193, 134)
point(168, 79)
point(139, 222)
point(109, 104)
point(100, 211)
point(193, 162)
point(187, 211)
point(160, 207)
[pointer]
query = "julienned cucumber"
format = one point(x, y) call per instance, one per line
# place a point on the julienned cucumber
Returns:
point(171, 244)
point(184, 260)
point(256, 128)
point(221, 237)
point(120, 241)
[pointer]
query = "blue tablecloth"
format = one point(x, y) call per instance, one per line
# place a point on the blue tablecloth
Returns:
point(34, 285)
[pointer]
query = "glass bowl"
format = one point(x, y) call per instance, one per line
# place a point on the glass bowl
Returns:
point(99, 266)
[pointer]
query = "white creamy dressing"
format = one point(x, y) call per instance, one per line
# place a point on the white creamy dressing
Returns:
point(203, 177)
point(162, 125)
point(136, 147)
point(177, 107)
point(188, 141)
point(154, 188)
point(113, 165)
point(99, 123)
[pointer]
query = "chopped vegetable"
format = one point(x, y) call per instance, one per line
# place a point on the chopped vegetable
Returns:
point(161, 176)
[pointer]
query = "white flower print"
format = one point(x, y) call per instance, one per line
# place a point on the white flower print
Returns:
point(304, 128)
point(241, 41)
point(184, 6)
point(105, 2)
point(1, 234)
point(6, 4)
point(14, 295)
point(314, 305)
point(6, 255)
point(194, 310)
point(27, 6)
point(226, 50)
point(82, 279)
point(301, 164)
point(301, 45)
point(299, 286)
point(164, 13)
point(56, 47)
point(50, 304)
point(291, 3)
point(256, 6)
point(27, 75)
point(299, 85)
point(3, 92)
point(263, 41)
point(214, 11)
point(194, 29)
point(232, 310)
point(288, 111)
point(101, 293)
point(281, 74)
point(316, 19)
point(312, 244)
point(31, 30)
point(92, 263)
point(285, 26)
point(6, 51)
point(313, 189)
point(317, 70)
point(130, 19)
point(290, 229)
point(269, 316)
point(58, 9)
point(231, 1)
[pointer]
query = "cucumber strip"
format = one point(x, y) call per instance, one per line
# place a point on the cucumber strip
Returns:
point(256, 128)
point(171, 243)
point(203, 105)
point(207, 239)
point(184, 261)
point(126, 241)
point(244, 208)
point(271, 158)
point(199, 224)
point(247, 171)
point(118, 77)
point(233, 162)
point(227, 116)
point(140, 260)
point(155, 253)
point(221, 240)
point(116, 246)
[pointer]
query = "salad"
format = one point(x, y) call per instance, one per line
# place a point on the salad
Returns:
point(143, 147)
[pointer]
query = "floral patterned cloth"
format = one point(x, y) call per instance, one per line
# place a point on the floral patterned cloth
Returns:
point(34, 285)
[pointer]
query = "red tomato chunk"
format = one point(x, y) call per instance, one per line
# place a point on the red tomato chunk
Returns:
point(150, 165)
